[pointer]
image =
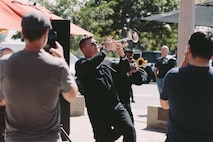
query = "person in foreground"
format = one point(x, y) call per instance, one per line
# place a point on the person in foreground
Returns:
point(187, 93)
point(32, 80)
point(96, 75)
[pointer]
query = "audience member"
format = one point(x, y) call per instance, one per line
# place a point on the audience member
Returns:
point(163, 65)
point(187, 93)
point(104, 108)
point(2, 116)
point(31, 81)
point(5, 53)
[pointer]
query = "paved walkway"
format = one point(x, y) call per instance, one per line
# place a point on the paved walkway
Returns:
point(81, 130)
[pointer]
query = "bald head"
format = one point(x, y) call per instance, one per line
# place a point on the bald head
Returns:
point(164, 50)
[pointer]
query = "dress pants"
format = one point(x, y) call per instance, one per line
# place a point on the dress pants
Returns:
point(103, 117)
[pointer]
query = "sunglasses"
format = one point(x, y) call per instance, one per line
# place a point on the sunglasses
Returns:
point(94, 43)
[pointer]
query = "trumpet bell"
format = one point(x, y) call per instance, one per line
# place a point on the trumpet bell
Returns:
point(134, 36)
point(141, 62)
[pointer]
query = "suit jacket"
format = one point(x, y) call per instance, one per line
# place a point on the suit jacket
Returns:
point(124, 83)
point(95, 74)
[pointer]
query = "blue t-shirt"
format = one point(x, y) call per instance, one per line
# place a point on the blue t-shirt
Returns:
point(190, 96)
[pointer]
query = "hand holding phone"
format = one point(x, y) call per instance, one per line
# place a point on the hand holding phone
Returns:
point(52, 38)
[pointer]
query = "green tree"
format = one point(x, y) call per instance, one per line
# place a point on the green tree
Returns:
point(155, 34)
point(116, 18)
point(65, 9)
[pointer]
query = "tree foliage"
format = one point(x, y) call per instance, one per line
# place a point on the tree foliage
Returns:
point(156, 34)
point(117, 18)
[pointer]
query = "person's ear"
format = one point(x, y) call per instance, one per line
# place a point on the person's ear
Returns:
point(189, 50)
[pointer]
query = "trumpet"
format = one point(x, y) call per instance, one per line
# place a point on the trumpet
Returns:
point(133, 36)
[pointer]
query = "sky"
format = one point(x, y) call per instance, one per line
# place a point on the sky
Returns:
point(27, 1)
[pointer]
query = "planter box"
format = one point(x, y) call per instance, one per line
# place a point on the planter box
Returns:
point(157, 118)
point(77, 107)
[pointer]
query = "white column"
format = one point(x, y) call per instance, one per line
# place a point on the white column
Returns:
point(186, 26)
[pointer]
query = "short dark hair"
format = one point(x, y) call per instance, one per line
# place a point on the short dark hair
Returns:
point(32, 35)
point(83, 39)
point(201, 44)
point(34, 25)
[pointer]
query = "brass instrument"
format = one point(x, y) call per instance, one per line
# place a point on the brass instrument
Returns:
point(133, 36)
point(141, 62)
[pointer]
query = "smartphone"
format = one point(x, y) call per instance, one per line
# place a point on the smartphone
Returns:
point(52, 37)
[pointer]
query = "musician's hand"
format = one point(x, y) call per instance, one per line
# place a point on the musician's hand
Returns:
point(133, 68)
point(108, 44)
point(119, 50)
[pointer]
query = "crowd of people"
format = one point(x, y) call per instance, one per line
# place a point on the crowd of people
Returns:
point(32, 80)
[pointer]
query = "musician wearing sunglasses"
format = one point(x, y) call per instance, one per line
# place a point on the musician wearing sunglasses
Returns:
point(96, 75)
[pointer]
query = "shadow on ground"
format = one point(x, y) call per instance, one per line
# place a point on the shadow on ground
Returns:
point(155, 130)
point(142, 115)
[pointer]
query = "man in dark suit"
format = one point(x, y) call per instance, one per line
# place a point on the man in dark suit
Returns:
point(104, 108)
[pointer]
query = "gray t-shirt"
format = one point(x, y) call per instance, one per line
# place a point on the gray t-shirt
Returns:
point(31, 83)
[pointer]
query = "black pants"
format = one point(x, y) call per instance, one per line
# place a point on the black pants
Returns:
point(128, 108)
point(104, 117)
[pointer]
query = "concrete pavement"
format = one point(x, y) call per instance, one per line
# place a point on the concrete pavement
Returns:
point(81, 130)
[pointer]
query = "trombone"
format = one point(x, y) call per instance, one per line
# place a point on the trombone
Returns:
point(140, 63)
